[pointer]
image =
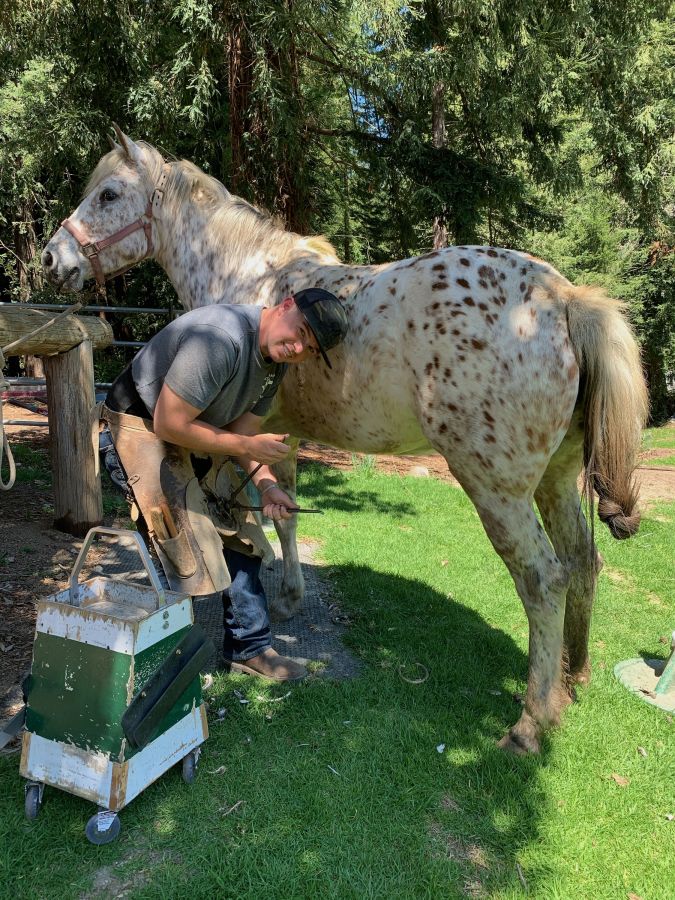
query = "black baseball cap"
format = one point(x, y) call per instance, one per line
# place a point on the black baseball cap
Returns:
point(326, 317)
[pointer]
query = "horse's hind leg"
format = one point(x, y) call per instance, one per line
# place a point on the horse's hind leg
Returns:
point(292, 587)
point(541, 582)
point(560, 506)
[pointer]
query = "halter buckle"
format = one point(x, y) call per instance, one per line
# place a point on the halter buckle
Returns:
point(90, 250)
point(157, 197)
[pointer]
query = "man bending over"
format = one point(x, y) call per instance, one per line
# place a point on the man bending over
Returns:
point(192, 399)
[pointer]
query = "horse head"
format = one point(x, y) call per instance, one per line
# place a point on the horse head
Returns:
point(114, 226)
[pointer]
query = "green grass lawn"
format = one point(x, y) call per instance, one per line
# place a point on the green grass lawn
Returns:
point(659, 461)
point(339, 790)
point(662, 438)
point(32, 464)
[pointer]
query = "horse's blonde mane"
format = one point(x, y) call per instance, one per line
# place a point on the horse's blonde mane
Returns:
point(113, 160)
point(238, 224)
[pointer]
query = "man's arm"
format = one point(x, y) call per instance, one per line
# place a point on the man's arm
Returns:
point(249, 425)
point(276, 502)
point(175, 420)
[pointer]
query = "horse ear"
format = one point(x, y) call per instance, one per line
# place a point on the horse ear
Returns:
point(131, 150)
point(113, 145)
point(121, 137)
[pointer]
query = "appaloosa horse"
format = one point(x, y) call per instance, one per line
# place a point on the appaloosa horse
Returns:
point(490, 356)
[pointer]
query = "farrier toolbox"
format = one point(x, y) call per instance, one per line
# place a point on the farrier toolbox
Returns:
point(114, 695)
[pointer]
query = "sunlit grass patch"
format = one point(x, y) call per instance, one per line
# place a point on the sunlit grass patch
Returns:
point(661, 437)
point(659, 461)
point(391, 784)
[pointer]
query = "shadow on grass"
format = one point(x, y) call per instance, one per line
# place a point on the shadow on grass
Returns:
point(336, 789)
point(330, 490)
point(345, 791)
point(484, 804)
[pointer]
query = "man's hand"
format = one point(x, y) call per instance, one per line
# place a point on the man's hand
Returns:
point(267, 448)
point(277, 504)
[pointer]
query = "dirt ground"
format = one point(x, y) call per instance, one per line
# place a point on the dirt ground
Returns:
point(36, 560)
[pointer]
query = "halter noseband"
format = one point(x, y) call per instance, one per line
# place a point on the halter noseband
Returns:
point(91, 249)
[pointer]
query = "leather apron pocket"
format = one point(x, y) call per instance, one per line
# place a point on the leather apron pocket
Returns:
point(180, 554)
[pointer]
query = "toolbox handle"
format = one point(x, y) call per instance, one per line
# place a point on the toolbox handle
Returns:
point(140, 546)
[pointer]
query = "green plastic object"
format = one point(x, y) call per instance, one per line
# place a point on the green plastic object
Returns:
point(652, 680)
point(99, 644)
point(158, 695)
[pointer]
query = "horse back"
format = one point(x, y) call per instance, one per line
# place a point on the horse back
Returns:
point(440, 345)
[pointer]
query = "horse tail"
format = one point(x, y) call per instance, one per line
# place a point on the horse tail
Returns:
point(615, 403)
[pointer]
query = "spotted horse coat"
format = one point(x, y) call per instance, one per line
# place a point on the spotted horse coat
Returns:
point(489, 356)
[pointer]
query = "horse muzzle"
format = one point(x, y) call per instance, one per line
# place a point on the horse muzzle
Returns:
point(63, 274)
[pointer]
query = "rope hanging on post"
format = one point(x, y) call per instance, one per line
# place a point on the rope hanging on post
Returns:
point(4, 443)
point(4, 384)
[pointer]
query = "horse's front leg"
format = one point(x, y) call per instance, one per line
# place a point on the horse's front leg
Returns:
point(292, 584)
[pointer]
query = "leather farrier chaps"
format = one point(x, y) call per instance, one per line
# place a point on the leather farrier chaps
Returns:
point(189, 519)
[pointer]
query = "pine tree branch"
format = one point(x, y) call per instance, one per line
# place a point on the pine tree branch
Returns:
point(360, 80)
point(348, 132)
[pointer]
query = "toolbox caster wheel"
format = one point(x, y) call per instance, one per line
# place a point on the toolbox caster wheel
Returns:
point(190, 766)
point(33, 800)
point(103, 827)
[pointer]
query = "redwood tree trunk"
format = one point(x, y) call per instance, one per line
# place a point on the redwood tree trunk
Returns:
point(281, 187)
point(240, 84)
point(346, 221)
point(25, 247)
point(439, 141)
point(659, 407)
point(291, 200)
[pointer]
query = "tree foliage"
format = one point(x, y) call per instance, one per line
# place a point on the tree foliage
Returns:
point(390, 127)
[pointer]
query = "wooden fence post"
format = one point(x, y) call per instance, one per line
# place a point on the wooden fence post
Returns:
point(78, 504)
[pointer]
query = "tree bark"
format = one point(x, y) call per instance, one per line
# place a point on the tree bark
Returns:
point(291, 196)
point(659, 405)
point(347, 227)
point(281, 188)
point(240, 88)
point(25, 246)
point(439, 141)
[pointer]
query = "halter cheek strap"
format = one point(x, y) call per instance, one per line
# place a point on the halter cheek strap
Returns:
point(91, 249)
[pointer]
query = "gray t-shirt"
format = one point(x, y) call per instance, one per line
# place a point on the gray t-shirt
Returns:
point(211, 358)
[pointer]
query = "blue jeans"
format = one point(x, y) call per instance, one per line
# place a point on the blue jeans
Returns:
point(245, 615)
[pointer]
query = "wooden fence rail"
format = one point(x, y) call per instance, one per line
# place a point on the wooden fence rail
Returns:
point(67, 347)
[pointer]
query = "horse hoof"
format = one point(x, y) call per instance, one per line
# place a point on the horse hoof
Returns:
point(288, 602)
point(582, 675)
point(519, 744)
point(284, 607)
point(280, 613)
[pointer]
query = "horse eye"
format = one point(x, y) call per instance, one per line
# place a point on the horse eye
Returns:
point(107, 196)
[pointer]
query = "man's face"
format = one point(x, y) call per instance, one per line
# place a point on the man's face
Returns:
point(290, 339)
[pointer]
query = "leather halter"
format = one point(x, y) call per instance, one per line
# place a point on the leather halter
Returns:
point(91, 249)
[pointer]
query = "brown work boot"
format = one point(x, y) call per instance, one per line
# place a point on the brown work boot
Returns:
point(270, 665)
